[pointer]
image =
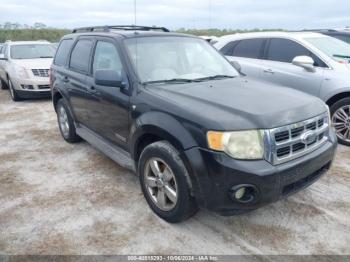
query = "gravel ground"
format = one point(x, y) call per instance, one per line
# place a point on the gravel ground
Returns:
point(57, 198)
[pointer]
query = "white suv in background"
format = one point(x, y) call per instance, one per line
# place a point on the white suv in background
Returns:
point(310, 62)
point(24, 68)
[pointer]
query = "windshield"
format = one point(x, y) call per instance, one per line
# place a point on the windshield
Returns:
point(32, 51)
point(345, 38)
point(334, 48)
point(169, 58)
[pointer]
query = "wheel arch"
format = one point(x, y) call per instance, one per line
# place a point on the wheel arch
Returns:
point(55, 97)
point(333, 99)
point(156, 126)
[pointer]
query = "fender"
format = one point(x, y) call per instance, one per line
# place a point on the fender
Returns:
point(338, 91)
point(162, 125)
point(168, 128)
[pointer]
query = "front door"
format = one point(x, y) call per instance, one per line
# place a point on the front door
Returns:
point(277, 66)
point(108, 106)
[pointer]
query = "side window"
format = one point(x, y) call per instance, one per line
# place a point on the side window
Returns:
point(228, 48)
point(284, 50)
point(80, 56)
point(106, 57)
point(63, 52)
point(250, 48)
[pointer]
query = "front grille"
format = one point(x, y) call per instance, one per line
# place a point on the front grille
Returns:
point(43, 87)
point(41, 72)
point(295, 140)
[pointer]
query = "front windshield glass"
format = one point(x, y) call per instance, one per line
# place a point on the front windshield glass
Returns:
point(167, 58)
point(32, 51)
point(334, 48)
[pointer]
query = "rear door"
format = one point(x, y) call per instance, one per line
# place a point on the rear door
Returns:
point(278, 67)
point(248, 52)
point(75, 78)
point(108, 106)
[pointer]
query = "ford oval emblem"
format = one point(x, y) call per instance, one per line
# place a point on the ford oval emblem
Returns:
point(308, 137)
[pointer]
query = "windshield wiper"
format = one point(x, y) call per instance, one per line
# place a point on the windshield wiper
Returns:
point(214, 77)
point(174, 80)
point(45, 56)
point(342, 56)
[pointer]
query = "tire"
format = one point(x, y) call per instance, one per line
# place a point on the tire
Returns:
point(340, 115)
point(14, 96)
point(157, 191)
point(66, 122)
point(3, 84)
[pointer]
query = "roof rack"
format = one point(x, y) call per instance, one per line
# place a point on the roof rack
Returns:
point(108, 28)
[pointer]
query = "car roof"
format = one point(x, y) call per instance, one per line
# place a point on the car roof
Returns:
point(27, 42)
point(127, 34)
point(269, 34)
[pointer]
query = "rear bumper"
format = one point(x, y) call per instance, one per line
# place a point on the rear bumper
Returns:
point(214, 174)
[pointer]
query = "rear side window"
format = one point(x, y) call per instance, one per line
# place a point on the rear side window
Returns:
point(80, 56)
point(284, 50)
point(250, 48)
point(63, 52)
point(228, 48)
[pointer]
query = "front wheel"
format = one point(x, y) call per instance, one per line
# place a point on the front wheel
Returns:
point(340, 112)
point(165, 182)
point(14, 96)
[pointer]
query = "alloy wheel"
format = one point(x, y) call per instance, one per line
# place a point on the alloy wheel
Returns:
point(161, 184)
point(341, 122)
point(63, 121)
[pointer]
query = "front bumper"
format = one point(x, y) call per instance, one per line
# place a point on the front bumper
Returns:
point(213, 174)
point(36, 87)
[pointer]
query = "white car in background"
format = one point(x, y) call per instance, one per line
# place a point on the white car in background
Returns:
point(24, 68)
point(310, 62)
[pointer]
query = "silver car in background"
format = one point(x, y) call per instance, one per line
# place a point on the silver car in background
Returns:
point(24, 68)
point(310, 62)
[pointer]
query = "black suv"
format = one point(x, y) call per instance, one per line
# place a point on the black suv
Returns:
point(197, 133)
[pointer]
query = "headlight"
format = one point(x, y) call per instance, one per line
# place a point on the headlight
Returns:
point(239, 144)
point(21, 72)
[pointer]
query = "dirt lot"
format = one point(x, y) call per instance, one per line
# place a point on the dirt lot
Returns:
point(57, 198)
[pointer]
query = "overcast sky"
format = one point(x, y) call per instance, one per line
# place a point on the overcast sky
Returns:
point(234, 14)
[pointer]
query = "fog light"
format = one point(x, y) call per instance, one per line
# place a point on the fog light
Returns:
point(244, 193)
point(27, 87)
point(240, 193)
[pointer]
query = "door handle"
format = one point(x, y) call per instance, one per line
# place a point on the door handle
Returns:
point(269, 71)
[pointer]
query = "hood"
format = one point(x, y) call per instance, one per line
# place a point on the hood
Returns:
point(38, 63)
point(241, 103)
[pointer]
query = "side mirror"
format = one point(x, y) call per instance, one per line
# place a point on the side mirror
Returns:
point(305, 62)
point(2, 57)
point(237, 66)
point(108, 78)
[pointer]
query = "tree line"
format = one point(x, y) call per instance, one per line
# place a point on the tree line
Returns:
point(39, 31)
